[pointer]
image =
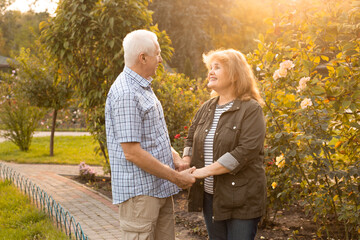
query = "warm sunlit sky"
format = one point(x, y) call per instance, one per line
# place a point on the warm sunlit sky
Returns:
point(40, 6)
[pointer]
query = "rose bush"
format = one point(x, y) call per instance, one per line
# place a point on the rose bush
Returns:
point(308, 64)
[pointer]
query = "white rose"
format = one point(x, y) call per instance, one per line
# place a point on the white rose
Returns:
point(305, 103)
point(281, 72)
point(287, 64)
point(302, 83)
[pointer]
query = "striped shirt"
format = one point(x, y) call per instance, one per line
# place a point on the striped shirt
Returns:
point(209, 144)
point(134, 114)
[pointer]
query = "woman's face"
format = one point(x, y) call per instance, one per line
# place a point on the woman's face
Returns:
point(218, 78)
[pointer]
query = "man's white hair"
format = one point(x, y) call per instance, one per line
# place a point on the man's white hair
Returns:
point(137, 42)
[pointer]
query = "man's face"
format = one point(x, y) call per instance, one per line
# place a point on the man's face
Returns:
point(153, 61)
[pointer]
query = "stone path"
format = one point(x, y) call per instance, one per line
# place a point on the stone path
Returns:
point(95, 213)
point(45, 134)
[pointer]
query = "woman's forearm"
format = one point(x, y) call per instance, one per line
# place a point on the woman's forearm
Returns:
point(211, 170)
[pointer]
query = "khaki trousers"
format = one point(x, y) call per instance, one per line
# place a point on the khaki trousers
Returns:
point(147, 218)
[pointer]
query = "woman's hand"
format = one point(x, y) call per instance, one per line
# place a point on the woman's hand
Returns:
point(211, 170)
point(200, 173)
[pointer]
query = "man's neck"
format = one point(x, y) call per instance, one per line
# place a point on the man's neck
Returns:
point(139, 71)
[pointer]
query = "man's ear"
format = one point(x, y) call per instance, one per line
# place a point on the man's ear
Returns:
point(142, 58)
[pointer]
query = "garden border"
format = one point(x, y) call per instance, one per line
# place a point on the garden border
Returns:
point(64, 220)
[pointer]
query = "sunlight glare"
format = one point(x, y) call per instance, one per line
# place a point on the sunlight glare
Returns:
point(40, 5)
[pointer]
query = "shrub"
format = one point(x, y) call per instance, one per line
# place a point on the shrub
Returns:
point(310, 79)
point(180, 97)
point(20, 121)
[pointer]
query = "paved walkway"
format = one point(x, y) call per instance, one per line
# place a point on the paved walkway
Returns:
point(45, 134)
point(95, 213)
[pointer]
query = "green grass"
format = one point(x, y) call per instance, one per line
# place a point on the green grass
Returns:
point(19, 219)
point(67, 150)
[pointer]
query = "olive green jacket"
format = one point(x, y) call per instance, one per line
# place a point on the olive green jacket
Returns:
point(238, 146)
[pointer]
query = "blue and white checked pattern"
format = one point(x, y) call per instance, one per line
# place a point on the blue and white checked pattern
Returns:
point(134, 114)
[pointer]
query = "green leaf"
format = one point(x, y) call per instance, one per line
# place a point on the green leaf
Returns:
point(355, 125)
point(346, 104)
point(308, 64)
point(70, 57)
point(318, 90)
point(351, 52)
point(111, 23)
point(111, 43)
point(350, 46)
point(292, 153)
point(341, 71)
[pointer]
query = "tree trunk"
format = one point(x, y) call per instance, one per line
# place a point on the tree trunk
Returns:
point(53, 133)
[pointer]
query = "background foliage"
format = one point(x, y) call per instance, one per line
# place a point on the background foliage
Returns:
point(41, 82)
point(180, 98)
point(312, 111)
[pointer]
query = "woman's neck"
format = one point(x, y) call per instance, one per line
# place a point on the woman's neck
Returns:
point(223, 99)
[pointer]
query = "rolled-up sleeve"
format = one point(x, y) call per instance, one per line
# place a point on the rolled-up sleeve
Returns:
point(228, 161)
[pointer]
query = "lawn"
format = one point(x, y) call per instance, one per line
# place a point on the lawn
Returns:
point(19, 219)
point(67, 150)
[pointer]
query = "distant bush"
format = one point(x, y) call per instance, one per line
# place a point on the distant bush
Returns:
point(20, 121)
point(180, 97)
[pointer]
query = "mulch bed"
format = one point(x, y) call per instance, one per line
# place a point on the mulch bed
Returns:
point(290, 223)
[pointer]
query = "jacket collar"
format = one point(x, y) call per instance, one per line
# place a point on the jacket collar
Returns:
point(236, 105)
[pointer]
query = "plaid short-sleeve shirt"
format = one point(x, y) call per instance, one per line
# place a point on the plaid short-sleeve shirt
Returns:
point(134, 114)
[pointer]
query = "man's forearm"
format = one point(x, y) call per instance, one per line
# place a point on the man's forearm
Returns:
point(144, 160)
point(148, 163)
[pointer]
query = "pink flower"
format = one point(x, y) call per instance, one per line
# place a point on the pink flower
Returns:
point(177, 136)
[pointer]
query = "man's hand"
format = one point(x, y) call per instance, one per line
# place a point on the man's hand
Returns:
point(185, 179)
point(180, 164)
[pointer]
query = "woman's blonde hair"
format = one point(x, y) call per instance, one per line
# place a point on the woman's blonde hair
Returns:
point(239, 72)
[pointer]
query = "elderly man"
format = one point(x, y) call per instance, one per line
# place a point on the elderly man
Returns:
point(141, 158)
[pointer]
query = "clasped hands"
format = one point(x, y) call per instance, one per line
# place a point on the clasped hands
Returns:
point(188, 175)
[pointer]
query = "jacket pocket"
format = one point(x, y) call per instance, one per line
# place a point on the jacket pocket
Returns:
point(228, 135)
point(231, 192)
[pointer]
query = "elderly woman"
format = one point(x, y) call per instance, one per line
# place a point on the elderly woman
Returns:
point(225, 144)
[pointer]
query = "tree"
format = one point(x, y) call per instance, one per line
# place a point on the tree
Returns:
point(19, 30)
point(43, 83)
point(18, 118)
point(189, 25)
point(85, 38)
point(4, 4)
point(308, 66)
